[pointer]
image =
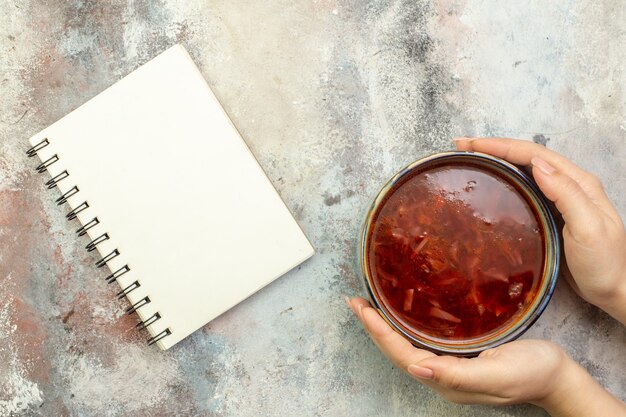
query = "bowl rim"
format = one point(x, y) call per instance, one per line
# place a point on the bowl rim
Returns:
point(552, 248)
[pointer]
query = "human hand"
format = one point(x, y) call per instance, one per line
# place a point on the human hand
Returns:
point(533, 371)
point(520, 371)
point(593, 237)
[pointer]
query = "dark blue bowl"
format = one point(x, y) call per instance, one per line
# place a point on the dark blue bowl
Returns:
point(527, 187)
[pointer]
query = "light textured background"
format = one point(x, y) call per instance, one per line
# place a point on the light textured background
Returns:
point(332, 97)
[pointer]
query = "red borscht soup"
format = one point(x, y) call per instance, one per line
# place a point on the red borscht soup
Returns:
point(455, 252)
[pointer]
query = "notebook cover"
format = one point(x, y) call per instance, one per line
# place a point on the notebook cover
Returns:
point(177, 191)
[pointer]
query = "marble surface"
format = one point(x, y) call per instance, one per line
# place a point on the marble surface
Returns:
point(332, 96)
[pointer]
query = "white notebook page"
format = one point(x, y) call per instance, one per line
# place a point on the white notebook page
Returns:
point(178, 192)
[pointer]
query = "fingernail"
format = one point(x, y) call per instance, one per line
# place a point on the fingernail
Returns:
point(542, 165)
point(350, 305)
point(465, 138)
point(421, 372)
point(361, 312)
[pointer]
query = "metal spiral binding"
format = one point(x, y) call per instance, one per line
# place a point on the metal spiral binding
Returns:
point(114, 253)
point(150, 320)
point(92, 223)
point(91, 246)
point(128, 289)
point(144, 301)
point(159, 336)
point(52, 183)
point(115, 275)
point(74, 213)
point(66, 195)
point(33, 151)
point(43, 167)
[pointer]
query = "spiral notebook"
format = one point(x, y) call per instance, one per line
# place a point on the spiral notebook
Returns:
point(170, 196)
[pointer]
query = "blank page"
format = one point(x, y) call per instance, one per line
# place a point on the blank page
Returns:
point(177, 191)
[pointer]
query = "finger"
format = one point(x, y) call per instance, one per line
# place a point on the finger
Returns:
point(477, 375)
point(463, 397)
point(354, 304)
point(463, 144)
point(582, 217)
point(352, 308)
point(403, 354)
point(521, 152)
point(398, 349)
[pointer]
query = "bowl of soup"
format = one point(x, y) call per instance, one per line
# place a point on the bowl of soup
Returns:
point(459, 252)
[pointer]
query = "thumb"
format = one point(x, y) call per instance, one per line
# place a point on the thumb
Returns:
point(481, 374)
point(581, 215)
